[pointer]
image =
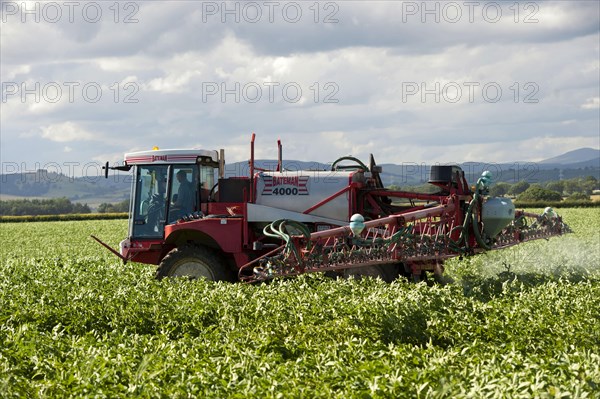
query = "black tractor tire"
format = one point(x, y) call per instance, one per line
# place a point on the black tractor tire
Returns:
point(194, 262)
point(387, 273)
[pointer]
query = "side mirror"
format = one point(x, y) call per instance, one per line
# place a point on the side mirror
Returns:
point(107, 167)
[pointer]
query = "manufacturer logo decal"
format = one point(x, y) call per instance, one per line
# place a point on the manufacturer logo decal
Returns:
point(285, 185)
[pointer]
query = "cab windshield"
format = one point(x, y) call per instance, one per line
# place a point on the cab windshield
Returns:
point(149, 206)
point(163, 194)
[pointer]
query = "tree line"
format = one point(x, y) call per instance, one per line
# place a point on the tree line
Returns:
point(56, 206)
point(575, 189)
point(50, 206)
point(118, 207)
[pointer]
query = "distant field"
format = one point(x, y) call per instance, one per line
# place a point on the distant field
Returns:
point(518, 323)
point(6, 197)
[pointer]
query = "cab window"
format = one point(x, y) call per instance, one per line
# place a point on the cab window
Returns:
point(150, 201)
point(184, 192)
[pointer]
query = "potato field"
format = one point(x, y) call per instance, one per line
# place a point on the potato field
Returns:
point(523, 322)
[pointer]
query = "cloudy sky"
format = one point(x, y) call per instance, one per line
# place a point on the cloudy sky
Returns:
point(408, 81)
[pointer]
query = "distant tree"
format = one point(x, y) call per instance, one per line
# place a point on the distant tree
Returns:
point(537, 193)
point(51, 206)
point(81, 208)
point(518, 187)
point(119, 207)
point(578, 197)
point(589, 184)
point(573, 186)
point(422, 188)
point(557, 186)
point(499, 189)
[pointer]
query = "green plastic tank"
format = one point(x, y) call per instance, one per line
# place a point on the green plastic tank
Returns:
point(497, 213)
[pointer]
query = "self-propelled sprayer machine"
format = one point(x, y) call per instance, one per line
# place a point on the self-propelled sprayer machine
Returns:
point(279, 222)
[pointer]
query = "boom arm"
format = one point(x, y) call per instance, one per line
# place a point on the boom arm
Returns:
point(420, 239)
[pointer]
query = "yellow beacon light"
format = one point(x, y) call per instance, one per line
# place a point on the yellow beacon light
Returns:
point(155, 148)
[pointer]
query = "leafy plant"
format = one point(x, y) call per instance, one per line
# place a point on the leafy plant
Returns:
point(75, 322)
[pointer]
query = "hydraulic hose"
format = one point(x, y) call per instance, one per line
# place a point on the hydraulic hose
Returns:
point(479, 236)
point(277, 229)
point(358, 161)
point(482, 182)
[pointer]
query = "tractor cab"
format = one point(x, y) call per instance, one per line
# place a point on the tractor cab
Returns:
point(168, 185)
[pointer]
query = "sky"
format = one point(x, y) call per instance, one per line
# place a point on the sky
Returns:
point(437, 81)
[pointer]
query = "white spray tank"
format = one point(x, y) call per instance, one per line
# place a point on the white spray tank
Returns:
point(299, 191)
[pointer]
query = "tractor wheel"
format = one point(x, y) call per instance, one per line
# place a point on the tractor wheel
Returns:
point(387, 273)
point(193, 262)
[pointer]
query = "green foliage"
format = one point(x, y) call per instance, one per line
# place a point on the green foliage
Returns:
point(584, 185)
point(422, 188)
point(578, 197)
point(518, 188)
point(119, 207)
point(75, 322)
point(537, 193)
point(557, 186)
point(53, 206)
point(572, 186)
point(568, 186)
point(557, 204)
point(500, 189)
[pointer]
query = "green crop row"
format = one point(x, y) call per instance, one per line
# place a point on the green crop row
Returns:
point(75, 322)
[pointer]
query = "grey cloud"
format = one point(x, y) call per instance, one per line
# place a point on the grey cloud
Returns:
point(369, 54)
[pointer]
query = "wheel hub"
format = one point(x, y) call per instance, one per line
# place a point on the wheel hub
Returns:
point(192, 269)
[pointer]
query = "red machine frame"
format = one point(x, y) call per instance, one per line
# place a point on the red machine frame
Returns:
point(419, 236)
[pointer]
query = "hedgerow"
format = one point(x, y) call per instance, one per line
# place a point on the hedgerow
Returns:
point(65, 217)
point(558, 204)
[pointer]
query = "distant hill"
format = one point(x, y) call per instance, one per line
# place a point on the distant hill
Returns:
point(575, 156)
point(243, 168)
point(410, 174)
point(95, 190)
point(44, 184)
